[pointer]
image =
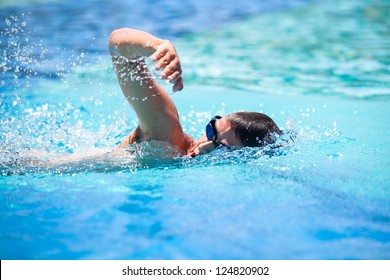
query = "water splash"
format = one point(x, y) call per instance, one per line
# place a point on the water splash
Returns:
point(21, 56)
point(63, 123)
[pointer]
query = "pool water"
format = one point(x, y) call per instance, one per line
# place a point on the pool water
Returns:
point(320, 70)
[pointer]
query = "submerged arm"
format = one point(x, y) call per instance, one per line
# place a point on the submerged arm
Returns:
point(156, 111)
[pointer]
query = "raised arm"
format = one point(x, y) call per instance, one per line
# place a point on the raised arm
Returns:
point(156, 111)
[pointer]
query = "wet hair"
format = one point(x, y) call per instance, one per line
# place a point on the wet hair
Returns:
point(253, 129)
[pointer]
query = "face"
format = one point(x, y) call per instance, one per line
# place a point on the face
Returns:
point(225, 136)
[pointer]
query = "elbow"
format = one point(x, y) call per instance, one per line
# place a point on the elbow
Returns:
point(117, 34)
point(129, 43)
point(117, 39)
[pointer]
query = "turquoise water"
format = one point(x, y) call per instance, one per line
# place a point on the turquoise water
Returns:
point(321, 70)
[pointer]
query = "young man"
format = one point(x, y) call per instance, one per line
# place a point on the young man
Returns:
point(156, 111)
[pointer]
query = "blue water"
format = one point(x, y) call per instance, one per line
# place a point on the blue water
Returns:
point(321, 70)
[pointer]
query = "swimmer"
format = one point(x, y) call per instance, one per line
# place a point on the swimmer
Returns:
point(158, 115)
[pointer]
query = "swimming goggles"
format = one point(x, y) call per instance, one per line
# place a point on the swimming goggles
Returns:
point(211, 132)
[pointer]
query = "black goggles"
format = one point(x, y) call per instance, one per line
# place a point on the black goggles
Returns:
point(211, 132)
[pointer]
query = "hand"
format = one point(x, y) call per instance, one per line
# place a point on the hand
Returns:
point(166, 58)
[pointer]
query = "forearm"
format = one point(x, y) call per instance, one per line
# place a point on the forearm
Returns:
point(131, 43)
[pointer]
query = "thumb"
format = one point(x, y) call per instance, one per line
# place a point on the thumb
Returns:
point(178, 86)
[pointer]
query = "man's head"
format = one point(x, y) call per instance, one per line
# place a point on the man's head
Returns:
point(240, 129)
point(252, 128)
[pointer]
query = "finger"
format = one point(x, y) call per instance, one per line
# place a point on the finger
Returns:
point(164, 61)
point(179, 85)
point(171, 68)
point(173, 77)
point(168, 71)
point(158, 54)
